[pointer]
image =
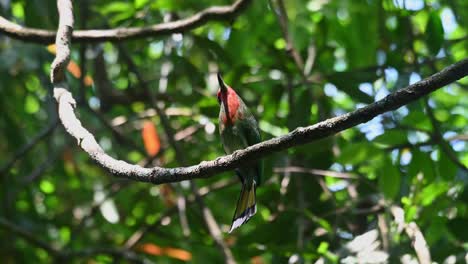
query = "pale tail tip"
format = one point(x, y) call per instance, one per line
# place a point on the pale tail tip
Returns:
point(243, 218)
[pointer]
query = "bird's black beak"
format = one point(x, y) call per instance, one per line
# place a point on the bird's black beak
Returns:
point(222, 84)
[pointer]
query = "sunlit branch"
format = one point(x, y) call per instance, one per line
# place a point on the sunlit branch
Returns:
point(214, 13)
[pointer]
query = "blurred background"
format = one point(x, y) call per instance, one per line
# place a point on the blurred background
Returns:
point(391, 190)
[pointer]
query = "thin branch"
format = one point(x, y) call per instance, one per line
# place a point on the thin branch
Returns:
point(214, 13)
point(414, 233)
point(299, 136)
point(45, 132)
point(438, 138)
point(282, 17)
point(324, 173)
point(28, 236)
point(36, 173)
point(115, 252)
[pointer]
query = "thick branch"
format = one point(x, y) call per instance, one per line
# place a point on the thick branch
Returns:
point(96, 35)
point(299, 136)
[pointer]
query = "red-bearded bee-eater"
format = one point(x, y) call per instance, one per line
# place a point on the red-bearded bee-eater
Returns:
point(239, 129)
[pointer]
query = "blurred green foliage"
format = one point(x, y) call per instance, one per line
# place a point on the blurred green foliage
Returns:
point(364, 49)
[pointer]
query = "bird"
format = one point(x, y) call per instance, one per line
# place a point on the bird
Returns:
point(238, 129)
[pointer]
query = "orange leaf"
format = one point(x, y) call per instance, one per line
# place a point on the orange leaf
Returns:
point(150, 137)
point(256, 260)
point(88, 81)
point(178, 253)
point(155, 250)
point(151, 249)
point(74, 69)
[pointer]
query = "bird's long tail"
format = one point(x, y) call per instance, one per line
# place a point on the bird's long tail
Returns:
point(246, 206)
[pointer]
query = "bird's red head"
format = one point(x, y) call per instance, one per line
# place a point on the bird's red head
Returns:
point(228, 99)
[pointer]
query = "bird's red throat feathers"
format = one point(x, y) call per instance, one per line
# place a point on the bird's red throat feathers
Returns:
point(232, 101)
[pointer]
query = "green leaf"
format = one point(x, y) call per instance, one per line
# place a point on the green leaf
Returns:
point(417, 119)
point(389, 179)
point(140, 3)
point(431, 192)
point(392, 137)
point(421, 162)
point(434, 33)
point(116, 7)
point(31, 104)
point(447, 169)
point(349, 82)
point(47, 187)
point(458, 228)
point(355, 153)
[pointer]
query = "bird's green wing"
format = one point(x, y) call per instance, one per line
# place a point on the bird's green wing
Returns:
point(251, 132)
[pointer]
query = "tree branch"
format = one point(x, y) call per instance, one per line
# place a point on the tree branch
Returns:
point(414, 233)
point(299, 136)
point(282, 17)
point(28, 236)
point(214, 13)
point(114, 252)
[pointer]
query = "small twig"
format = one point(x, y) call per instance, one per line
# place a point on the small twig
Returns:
point(35, 174)
point(384, 232)
point(282, 16)
point(318, 172)
point(375, 208)
point(214, 13)
point(203, 191)
point(301, 221)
